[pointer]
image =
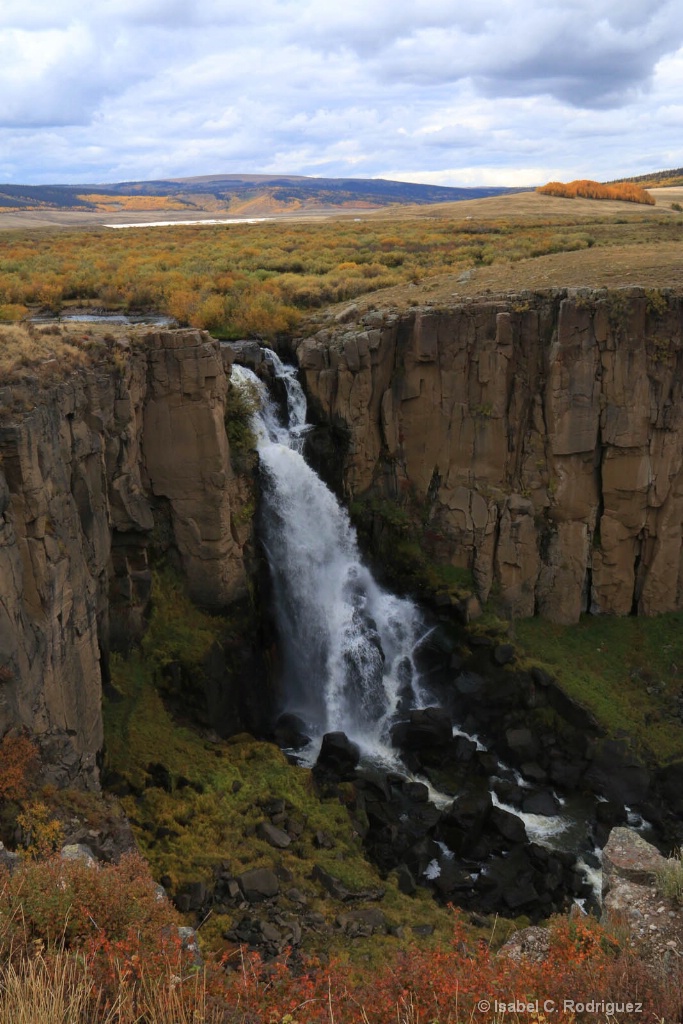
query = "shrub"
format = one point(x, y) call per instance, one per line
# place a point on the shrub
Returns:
point(586, 189)
point(80, 907)
point(669, 878)
point(19, 765)
point(42, 834)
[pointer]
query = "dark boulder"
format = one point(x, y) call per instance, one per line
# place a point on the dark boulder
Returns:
point(463, 750)
point(607, 812)
point(522, 743)
point(259, 884)
point(670, 781)
point(274, 836)
point(462, 825)
point(502, 654)
point(424, 730)
point(509, 792)
point(508, 825)
point(290, 732)
point(508, 882)
point(405, 880)
point(452, 878)
point(541, 802)
point(420, 856)
point(339, 756)
point(616, 773)
point(469, 684)
point(192, 897)
point(159, 777)
point(416, 791)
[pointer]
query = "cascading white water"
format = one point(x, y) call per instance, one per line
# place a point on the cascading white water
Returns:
point(347, 644)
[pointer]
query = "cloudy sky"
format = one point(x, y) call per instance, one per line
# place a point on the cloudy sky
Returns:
point(451, 92)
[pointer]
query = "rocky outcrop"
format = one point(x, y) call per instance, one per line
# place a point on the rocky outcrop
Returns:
point(542, 434)
point(94, 473)
point(630, 894)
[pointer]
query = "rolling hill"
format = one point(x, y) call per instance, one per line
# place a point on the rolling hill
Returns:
point(235, 193)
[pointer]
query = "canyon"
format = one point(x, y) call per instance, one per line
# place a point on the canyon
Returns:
point(539, 433)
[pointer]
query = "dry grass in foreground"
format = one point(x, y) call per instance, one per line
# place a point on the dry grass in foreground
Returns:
point(58, 988)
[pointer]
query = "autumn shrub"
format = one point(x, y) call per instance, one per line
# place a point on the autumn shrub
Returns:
point(19, 766)
point(459, 983)
point(12, 311)
point(256, 279)
point(93, 944)
point(110, 920)
point(43, 834)
point(586, 189)
point(122, 944)
point(67, 901)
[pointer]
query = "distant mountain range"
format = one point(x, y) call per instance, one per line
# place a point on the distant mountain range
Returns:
point(240, 194)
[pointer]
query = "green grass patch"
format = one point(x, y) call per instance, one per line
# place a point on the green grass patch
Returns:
point(185, 834)
point(408, 549)
point(178, 631)
point(669, 878)
point(240, 405)
point(627, 671)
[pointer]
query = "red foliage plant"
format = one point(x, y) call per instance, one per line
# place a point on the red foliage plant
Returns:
point(586, 976)
point(112, 920)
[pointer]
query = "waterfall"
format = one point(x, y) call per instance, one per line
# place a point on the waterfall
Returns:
point(347, 644)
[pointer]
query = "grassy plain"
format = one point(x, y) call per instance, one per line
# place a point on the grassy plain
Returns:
point(264, 279)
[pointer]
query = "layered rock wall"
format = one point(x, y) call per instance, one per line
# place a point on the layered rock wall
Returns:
point(93, 473)
point(542, 434)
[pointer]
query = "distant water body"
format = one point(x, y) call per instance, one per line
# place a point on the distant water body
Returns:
point(176, 223)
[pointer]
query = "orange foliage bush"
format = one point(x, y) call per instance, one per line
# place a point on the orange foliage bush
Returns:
point(18, 766)
point(586, 189)
point(144, 203)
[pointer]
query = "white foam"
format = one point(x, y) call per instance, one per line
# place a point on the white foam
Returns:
point(540, 828)
point(433, 870)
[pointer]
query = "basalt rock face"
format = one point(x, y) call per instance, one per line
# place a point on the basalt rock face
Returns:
point(541, 433)
point(94, 473)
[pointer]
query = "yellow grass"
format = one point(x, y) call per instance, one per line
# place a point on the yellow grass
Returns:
point(23, 346)
point(56, 988)
point(109, 203)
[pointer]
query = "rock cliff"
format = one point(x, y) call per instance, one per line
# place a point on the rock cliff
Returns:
point(94, 473)
point(542, 434)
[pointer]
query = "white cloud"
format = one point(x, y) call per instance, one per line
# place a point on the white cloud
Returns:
point(452, 91)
